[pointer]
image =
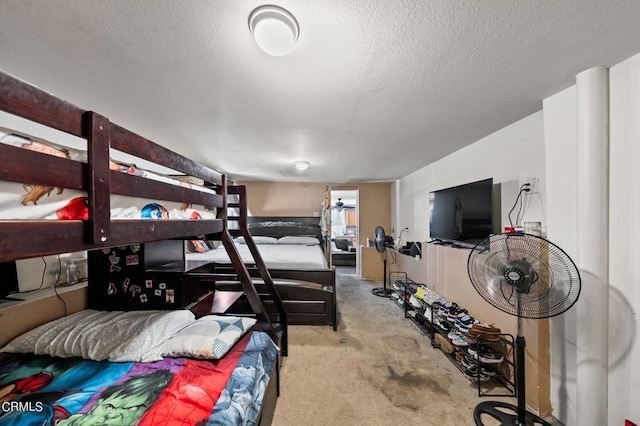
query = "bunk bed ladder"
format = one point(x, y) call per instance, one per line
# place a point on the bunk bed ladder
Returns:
point(241, 269)
point(240, 193)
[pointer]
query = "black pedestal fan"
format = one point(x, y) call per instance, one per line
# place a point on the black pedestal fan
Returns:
point(529, 277)
point(382, 241)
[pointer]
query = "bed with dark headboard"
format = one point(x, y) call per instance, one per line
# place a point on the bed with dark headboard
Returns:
point(70, 204)
point(310, 293)
point(293, 251)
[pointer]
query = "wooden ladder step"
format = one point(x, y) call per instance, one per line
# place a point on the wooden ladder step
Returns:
point(214, 302)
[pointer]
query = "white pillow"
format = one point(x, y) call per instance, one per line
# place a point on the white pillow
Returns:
point(210, 337)
point(104, 335)
point(300, 240)
point(258, 240)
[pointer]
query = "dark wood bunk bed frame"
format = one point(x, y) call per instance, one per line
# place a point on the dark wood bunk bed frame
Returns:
point(22, 239)
point(309, 296)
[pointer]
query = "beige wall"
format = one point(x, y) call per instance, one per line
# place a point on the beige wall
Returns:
point(305, 199)
point(19, 318)
point(284, 199)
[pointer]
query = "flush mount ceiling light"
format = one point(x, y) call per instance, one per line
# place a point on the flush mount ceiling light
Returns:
point(302, 165)
point(274, 28)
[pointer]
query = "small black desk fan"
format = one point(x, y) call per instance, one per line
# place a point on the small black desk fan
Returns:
point(529, 277)
point(382, 241)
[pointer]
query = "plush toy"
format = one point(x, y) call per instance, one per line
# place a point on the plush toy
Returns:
point(76, 209)
point(154, 211)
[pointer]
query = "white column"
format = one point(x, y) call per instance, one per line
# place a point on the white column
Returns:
point(593, 245)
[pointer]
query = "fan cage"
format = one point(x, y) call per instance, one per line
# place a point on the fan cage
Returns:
point(551, 283)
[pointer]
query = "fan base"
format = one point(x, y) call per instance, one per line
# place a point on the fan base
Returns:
point(381, 292)
point(498, 410)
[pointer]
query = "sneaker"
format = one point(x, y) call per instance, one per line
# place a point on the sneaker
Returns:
point(460, 340)
point(454, 311)
point(421, 293)
point(413, 300)
point(452, 335)
point(468, 361)
point(475, 348)
point(484, 354)
point(476, 373)
point(427, 312)
point(491, 357)
point(464, 322)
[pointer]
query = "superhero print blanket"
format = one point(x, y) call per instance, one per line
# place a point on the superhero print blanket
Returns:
point(43, 390)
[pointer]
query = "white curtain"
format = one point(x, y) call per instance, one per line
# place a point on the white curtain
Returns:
point(338, 223)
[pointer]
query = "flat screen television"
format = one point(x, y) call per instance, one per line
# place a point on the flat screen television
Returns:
point(466, 214)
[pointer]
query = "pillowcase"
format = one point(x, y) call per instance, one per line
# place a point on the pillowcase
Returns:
point(210, 337)
point(258, 239)
point(114, 336)
point(300, 240)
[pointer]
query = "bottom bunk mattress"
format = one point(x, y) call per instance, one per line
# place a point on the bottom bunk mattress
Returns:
point(275, 256)
point(45, 390)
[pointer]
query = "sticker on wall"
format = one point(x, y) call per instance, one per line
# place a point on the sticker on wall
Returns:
point(162, 286)
point(157, 292)
point(114, 260)
point(148, 283)
point(132, 260)
point(106, 250)
point(135, 289)
point(143, 298)
point(135, 248)
point(125, 284)
point(112, 289)
point(169, 297)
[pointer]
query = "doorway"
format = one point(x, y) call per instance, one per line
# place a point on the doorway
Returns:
point(344, 228)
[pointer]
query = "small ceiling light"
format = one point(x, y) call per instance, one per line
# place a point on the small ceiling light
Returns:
point(274, 28)
point(302, 165)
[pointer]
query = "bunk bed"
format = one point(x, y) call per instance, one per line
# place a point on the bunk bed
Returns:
point(290, 251)
point(147, 237)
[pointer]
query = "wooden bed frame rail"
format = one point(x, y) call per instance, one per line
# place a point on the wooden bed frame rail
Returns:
point(94, 177)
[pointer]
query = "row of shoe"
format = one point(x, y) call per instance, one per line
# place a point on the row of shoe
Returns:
point(448, 313)
point(463, 332)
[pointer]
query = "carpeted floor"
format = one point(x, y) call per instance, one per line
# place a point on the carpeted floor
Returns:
point(377, 369)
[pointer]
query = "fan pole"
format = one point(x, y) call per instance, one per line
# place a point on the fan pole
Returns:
point(520, 379)
point(520, 382)
point(384, 275)
point(382, 291)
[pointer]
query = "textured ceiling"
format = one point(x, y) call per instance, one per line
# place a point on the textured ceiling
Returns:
point(373, 90)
